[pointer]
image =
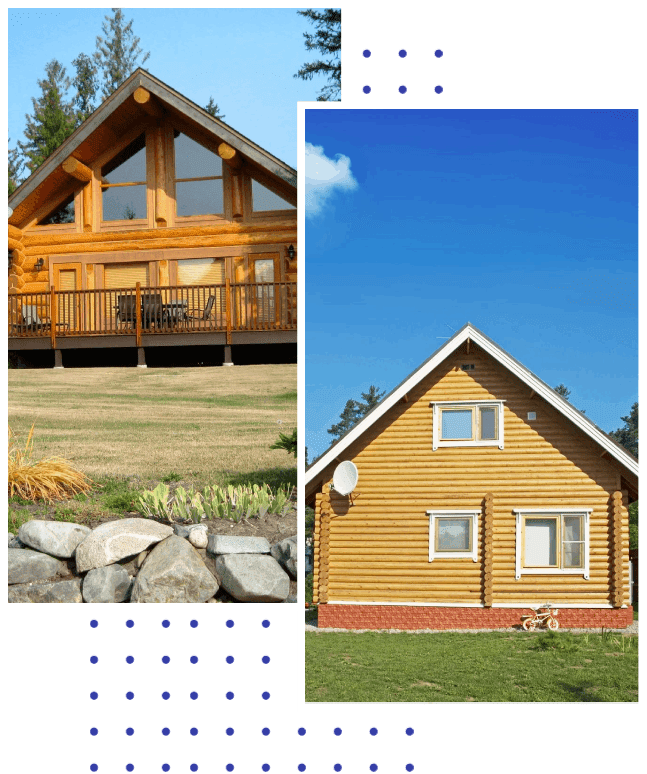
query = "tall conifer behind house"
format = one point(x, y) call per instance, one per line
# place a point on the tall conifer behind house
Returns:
point(118, 53)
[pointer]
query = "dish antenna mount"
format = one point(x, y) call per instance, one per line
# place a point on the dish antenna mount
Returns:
point(344, 479)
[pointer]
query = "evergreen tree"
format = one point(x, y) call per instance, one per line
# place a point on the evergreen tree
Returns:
point(563, 390)
point(354, 411)
point(118, 53)
point(53, 120)
point(212, 108)
point(627, 436)
point(326, 40)
point(14, 167)
point(86, 84)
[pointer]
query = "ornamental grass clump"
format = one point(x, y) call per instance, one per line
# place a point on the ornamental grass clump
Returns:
point(48, 479)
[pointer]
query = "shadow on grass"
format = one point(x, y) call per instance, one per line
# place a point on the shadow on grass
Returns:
point(583, 692)
point(273, 477)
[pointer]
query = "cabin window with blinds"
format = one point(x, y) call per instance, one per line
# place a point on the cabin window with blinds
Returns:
point(126, 275)
point(552, 542)
point(467, 423)
point(123, 183)
point(453, 534)
point(201, 271)
point(265, 200)
point(198, 179)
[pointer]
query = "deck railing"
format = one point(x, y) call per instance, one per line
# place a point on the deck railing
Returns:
point(228, 307)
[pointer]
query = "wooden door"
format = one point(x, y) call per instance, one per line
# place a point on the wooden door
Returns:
point(67, 283)
point(264, 271)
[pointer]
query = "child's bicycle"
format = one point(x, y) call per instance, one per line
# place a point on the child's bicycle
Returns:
point(544, 614)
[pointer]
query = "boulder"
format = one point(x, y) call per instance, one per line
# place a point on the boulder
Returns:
point(26, 566)
point(253, 577)
point(173, 572)
point(285, 553)
point(198, 536)
point(17, 543)
point(106, 584)
point(56, 538)
point(63, 591)
point(230, 544)
point(116, 540)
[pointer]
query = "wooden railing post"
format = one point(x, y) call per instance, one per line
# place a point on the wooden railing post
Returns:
point(53, 315)
point(228, 308)
point(138, 314)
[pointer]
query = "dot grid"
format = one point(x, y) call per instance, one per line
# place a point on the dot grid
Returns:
point(385, 54)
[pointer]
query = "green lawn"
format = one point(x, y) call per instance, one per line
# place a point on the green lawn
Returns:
point(493, 666)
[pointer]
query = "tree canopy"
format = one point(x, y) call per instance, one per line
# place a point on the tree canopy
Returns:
point(627, 435)
point(327, 41)
point(212, 108)
point(354, 411)
point(86, 84)
point(117, 53)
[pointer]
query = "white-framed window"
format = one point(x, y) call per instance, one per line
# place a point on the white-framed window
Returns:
point(552, 541)
point(468, 423)
point(453, 534)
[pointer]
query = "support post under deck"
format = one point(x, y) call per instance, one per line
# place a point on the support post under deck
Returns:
point(141, 358)
point(227, 360)
point(58, 358)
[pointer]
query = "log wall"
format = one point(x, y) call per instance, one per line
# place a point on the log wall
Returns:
point(379, 547)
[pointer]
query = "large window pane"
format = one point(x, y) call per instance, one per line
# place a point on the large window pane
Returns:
point(64, 213)
point(193, 160)
point(199, 197)
point(488, 424)
point(453, 534)
point(129, 166)
point(124, 203)
point(541, 543)
point(457, 424)
point(264, 199)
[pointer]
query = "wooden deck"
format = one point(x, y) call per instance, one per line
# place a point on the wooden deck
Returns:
point(154, 316)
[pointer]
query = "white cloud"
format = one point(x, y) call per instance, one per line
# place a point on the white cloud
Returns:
point(324, 176)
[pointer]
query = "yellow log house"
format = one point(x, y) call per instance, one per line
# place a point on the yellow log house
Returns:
point(153, 225)
point(480, 492)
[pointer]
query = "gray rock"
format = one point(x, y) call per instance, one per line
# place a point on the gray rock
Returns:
point(181, 530)
point(285, 553)
point(56, 538)
point(11, 537)
point(116, 540)
point(106, 584)
point(173, 572)
point(253, 578)
point(291, 598)
point(63, 591)
point(17, 543)
point(26, 566)
point(198, 536)
point(140, 559)
point(230, 544)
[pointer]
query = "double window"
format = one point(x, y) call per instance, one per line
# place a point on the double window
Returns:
point(552, 542)
point(468, 423)
point(453, 534)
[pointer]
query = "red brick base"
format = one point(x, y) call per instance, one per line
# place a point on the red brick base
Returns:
point(415, 617)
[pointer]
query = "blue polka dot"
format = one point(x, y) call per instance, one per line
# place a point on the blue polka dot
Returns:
point(130, 731)
point(166, 731)
point(166, 767)
point(194, 659)
point(402, 53)
point(373, 767)
point(229, 767)
point(265, 659)
point(94, 731)
point(94, 625)
point(438, 89)
point(366, 53)
point(93, 659)
point(129, 659)
point(94, 767)
point(130, 695)
point(438, 53)
point(402, 89)
point(194, 767)
point(229, 695)
point(337, 767)
point(409, 767)
point(94, 695)
point(194, 695)
point(266, 767)
point(166, 695)
point(130, 625)
point(266, 732)
point(373, 732)
point(130, 767)
point(302, 732)
point(166, 623)
point(409, 732)
point(230, 659)
point(337, 732)
point(165, 659)
point(229, 624)
point(194, 732)
point(194, 624)
point(265, 695)
point(301, 767)
point(266, 624)
point(366, 89)
point(230, 732)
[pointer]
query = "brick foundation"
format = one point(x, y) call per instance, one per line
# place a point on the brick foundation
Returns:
point(414, 617)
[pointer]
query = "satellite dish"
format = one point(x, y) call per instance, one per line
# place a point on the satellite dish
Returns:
point(344, 478)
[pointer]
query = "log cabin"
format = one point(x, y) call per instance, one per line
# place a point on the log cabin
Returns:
point(154, 224)
point(480, 492)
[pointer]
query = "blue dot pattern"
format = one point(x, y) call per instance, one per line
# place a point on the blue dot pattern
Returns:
point(420, 59)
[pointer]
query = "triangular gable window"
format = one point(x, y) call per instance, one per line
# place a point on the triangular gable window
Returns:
point(62, 213)
point(123, 183)
point(198, 179)
point(265, 200)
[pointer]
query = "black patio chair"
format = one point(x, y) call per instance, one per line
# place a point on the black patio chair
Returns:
point(153, 311)
point(202, 314)
point(127, 311)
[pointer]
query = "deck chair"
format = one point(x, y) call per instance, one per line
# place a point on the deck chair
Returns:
point(153, 311)
point(205, 313)
point(127, 310)
point(32, 321)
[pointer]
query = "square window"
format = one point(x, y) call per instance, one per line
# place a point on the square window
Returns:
point(470, 423)
point(457, 424)
point(451, 534)
point(552, 542)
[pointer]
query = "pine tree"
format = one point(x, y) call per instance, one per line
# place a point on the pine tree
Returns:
point(118, 53)
point(354, 411)
point(14, 167)
point(86, 84)
point(53, 120)
point(627, 436)
point(212, 108)
point(563, 390)
point(327, 40)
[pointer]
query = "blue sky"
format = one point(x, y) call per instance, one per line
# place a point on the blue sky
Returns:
point(523, 223)
point(244, 58)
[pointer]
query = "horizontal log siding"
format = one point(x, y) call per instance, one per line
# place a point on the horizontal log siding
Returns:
point(379, 547)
